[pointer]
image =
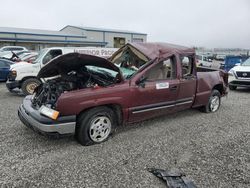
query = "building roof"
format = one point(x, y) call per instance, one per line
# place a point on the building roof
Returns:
point(43, 36)
point(104, 29)
point(10, 30)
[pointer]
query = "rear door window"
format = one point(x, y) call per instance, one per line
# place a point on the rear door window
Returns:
point(186, 65)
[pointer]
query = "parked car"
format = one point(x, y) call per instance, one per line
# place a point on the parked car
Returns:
point(30, 58)
point(204, 61)
point(220, 57)
point(239, 76)
point(25, 74)
point(231, 61)
point(4, 69)
point(27, 57)
point(89, 96)
point(13, 49)
point(13, 56)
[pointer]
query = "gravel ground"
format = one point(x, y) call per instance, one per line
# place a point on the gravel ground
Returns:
point(212, 149)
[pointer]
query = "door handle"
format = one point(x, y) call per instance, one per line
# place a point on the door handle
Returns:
point(173, 88)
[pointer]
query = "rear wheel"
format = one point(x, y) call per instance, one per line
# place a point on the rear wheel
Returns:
point(214, 102)
point(232, 87)
point(29, 85)
point(95, 126)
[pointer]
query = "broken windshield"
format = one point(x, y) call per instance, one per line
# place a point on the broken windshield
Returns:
point(129, 60)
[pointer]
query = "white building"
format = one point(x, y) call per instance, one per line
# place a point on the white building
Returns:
point(35, 39)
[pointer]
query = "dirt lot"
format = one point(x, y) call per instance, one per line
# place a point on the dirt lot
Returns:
point(212, 149)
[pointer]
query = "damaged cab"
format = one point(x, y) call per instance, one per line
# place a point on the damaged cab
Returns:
point(89, 96)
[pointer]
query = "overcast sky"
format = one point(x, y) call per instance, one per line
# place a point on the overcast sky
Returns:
point(207, 23)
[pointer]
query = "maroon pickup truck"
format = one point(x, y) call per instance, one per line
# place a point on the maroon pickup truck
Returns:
point(89, 96)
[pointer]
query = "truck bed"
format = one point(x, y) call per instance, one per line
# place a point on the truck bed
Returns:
point(208, 79)
point(206, 69)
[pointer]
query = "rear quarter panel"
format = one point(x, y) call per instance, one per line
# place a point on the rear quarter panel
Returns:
point(205, 83)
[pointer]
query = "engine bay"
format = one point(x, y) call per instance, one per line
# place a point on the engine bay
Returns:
point(48, 92)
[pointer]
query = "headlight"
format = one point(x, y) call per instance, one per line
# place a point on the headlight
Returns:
point(12, 75)
point(53, 114)
point(231, 72)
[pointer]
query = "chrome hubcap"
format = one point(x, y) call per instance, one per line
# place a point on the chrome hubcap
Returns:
point(100, 128)
point(215, 103)
point(31, 87)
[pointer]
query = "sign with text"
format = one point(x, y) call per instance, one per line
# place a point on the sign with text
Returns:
point(101, 52)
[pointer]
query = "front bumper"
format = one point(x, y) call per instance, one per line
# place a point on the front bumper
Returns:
point(34, 120)
point(240, 83)
point(233, 81)
point(13, 84)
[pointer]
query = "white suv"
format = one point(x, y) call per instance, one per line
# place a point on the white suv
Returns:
point(239, 76)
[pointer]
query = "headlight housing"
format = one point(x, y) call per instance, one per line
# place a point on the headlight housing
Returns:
point(231, 72)
point(12, 75)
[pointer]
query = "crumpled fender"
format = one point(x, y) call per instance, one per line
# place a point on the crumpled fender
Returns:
point(206, 81)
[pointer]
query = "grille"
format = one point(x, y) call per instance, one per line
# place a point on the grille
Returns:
point(243, 74)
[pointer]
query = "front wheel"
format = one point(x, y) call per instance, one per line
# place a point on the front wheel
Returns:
point(95, 126)
point(214, 102)
point(29, 85)
point(232, 87)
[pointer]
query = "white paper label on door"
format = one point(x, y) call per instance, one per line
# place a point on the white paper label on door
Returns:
point(162, 85)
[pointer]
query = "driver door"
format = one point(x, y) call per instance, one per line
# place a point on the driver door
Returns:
point(157, 94)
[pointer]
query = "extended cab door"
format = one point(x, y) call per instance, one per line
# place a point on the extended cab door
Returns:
point(155, 94)
point(188, 81)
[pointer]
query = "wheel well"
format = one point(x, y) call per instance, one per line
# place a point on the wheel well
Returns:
point(28, 77)
point(219, 87)
point(117, 109)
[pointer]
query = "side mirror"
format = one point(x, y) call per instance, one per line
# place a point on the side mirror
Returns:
point(141, 81)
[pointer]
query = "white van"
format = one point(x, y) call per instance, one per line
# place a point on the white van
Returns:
point(24, 75)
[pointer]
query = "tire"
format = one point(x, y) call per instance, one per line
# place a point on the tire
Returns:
point(232, 87)
point(95, 126)
point(214, 102)
point(29, 85)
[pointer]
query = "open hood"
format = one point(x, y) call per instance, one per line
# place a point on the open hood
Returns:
point(73, 62)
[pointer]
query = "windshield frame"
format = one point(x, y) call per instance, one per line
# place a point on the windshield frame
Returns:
point(246, 63)
point(40, 55)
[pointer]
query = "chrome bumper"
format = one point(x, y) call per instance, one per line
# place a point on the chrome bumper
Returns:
point(58, 127)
